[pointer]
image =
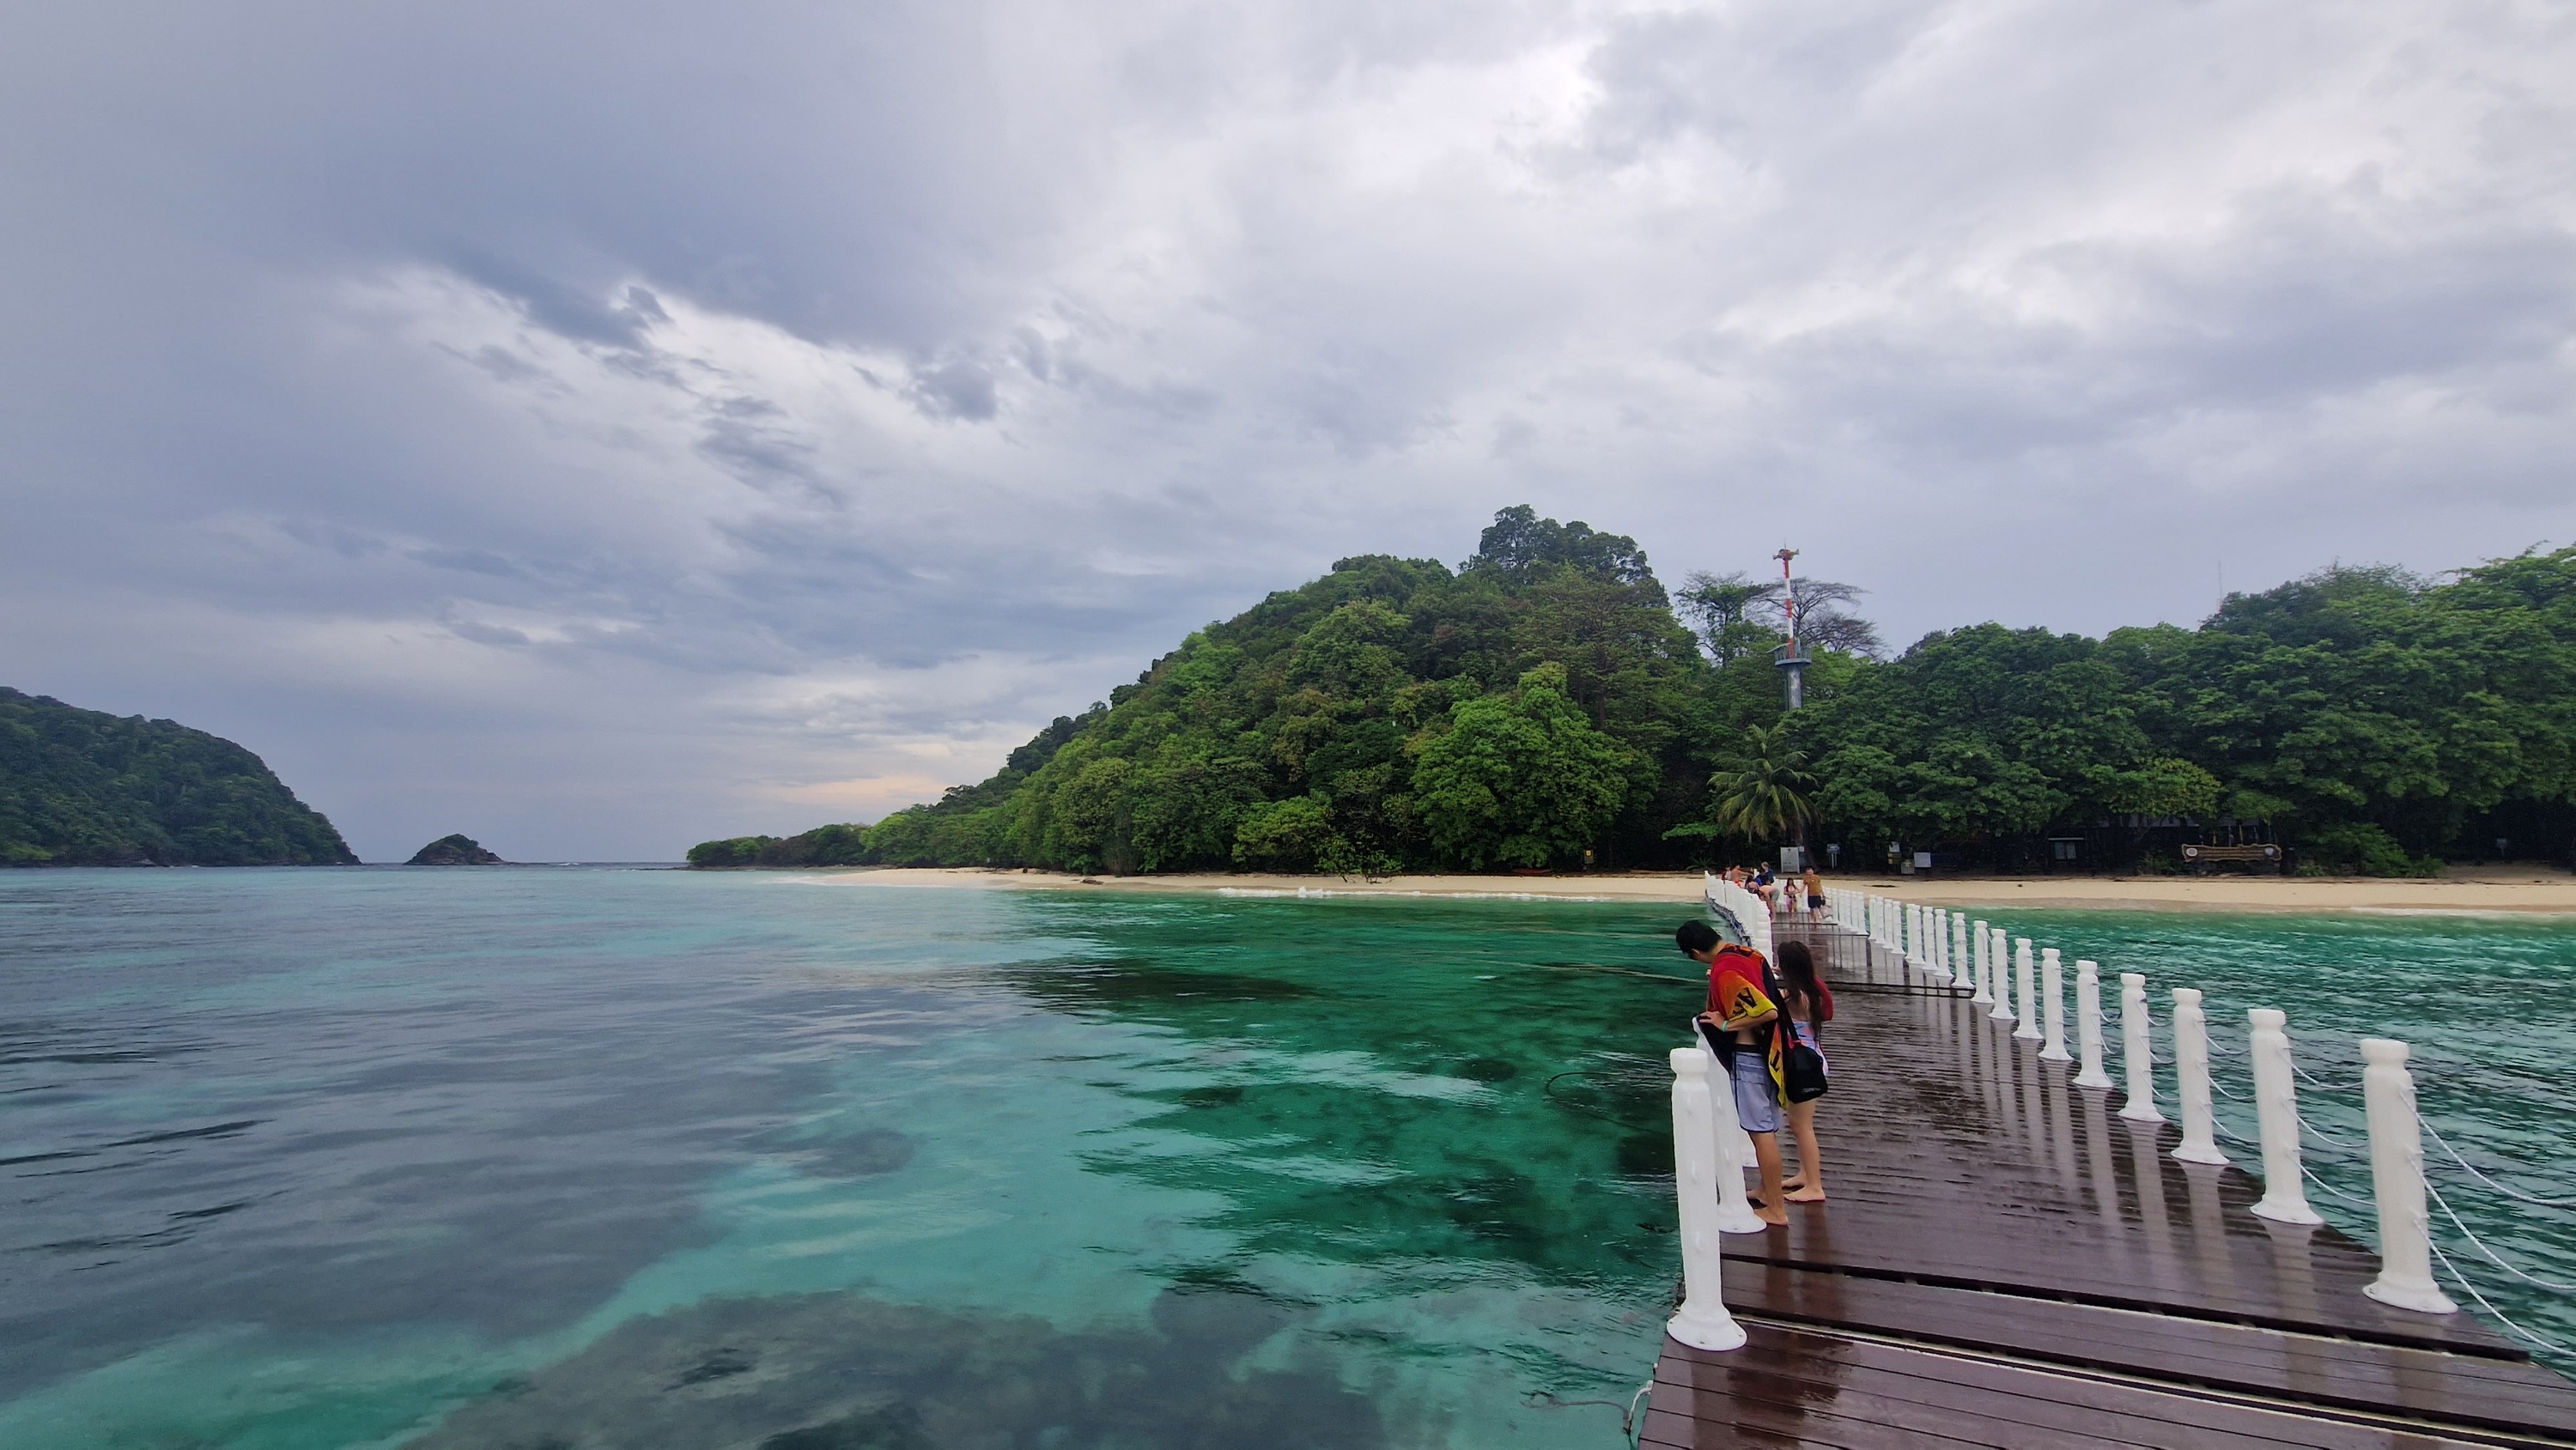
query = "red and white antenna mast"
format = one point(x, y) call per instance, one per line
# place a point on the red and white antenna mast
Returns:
point(1790, 657)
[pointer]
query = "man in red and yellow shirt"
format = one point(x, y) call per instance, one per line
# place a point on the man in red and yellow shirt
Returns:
point(1741, 1026)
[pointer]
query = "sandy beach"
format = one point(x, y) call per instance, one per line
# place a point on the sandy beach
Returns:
point(2467, 889)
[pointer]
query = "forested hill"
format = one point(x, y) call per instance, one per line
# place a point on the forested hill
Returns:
point(83, 788)
point(1545, 700)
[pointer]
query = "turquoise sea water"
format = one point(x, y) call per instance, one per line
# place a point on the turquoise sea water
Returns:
point(539, 1157)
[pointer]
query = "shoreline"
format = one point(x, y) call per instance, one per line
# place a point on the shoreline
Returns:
point(2468, 891)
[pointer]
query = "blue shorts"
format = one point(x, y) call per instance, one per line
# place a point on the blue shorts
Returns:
point(1757, 1100)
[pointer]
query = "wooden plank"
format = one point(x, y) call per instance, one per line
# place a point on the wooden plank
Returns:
point(2491, 1394)
point(1819, 1389)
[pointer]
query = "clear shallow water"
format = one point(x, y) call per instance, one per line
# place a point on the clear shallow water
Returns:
point(486, 1158)
point(336, 1158)
point(2487, 1005)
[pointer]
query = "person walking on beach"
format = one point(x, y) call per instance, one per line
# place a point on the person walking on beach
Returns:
point(1741, 1026)
point(1805, 1004)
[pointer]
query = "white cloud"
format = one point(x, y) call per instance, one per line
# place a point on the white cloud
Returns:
point(719, 422)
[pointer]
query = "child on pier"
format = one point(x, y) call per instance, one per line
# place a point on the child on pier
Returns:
point(1805, 1004)
point(1741, 1026)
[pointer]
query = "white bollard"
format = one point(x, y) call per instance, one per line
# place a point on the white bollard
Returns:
point(1942, 966)
point(1984, 969)
point(2053, 1007)
point(2397, 1183)
point(1959, 958)
point(1999, 970)
point(2276, 1102)
point(2088, 1024)
point(2029, 1027)
point(1702, 1322)
point(2191, 1079)
point(2137, 1050)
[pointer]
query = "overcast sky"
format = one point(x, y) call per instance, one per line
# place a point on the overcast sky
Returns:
point(596, 428)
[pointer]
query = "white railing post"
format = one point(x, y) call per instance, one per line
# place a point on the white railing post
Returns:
point(1942, 966)
point(2276, 1103)
point(2137, 1050)
point(1698, 1173)
point(2397, 1183)
point(1966, 966)
point(2022, 966)
point(2191, 1079)
point(1984, 968)
point(2088, 1024)
point(1999, 967)
point(2053, 1006)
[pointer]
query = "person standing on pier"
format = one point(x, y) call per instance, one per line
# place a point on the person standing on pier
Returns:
point(1741, 1026)
point(1805, 1004)
point(1814, 885)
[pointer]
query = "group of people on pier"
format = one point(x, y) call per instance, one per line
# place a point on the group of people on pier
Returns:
point(1780, 894)
point(1762, 1022)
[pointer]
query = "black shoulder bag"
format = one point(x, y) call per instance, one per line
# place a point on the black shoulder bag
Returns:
point(1802, 1068)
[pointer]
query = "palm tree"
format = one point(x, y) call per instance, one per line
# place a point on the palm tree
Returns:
point(1764, 795)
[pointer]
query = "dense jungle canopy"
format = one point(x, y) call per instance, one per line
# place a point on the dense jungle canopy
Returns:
point(83, 788)
point(1545, 699)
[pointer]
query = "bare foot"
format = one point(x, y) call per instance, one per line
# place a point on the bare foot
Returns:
point(1807, 1195)
point(1773, 1215)
point(1793, 1184)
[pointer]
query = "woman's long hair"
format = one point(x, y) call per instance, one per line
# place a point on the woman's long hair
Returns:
point(1798, 972)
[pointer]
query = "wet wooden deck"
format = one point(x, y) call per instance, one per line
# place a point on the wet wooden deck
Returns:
point(2005, 1262)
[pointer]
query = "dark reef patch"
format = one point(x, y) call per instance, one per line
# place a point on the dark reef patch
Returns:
point(844, 1371)
point(863, 1154)
point(1129, 983)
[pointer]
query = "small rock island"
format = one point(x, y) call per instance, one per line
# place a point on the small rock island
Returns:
point(455, 851)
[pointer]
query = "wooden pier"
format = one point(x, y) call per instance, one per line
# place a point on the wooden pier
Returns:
point(2005, 1262)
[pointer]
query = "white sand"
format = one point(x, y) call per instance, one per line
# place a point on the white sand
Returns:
point(2466, 890)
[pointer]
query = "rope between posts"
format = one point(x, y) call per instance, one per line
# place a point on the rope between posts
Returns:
point(2463, 1281)
point(2492, 1256)
point(2311, 1175)
point(2472, 1169)
point(2328, 1140)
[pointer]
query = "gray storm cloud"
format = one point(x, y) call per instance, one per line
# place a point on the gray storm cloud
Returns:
point(596, 428)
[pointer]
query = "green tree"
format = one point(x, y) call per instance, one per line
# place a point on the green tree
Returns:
point(1284, 835)
point(1763, 797)
point(1519, 779)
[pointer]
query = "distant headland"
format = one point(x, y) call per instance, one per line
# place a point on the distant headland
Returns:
point(84, 788)
point(1547, 704)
